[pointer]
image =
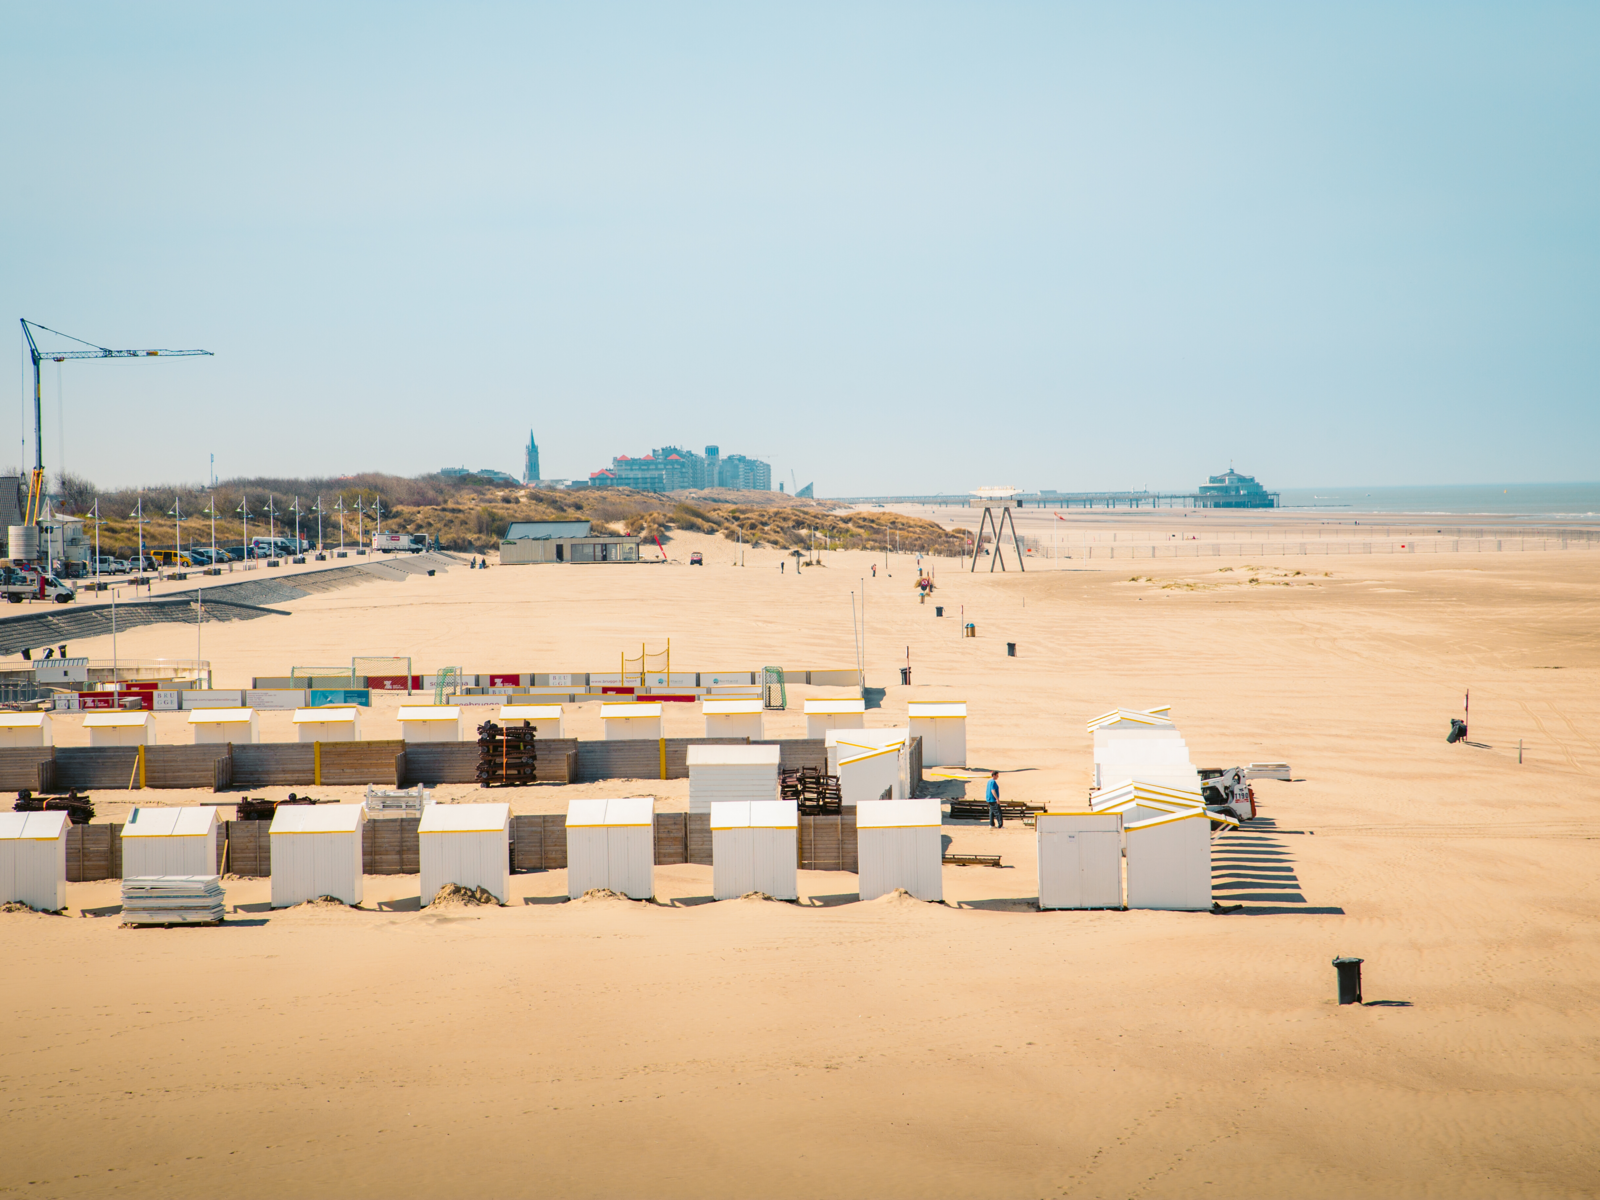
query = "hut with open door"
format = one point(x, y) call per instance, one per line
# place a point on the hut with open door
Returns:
point(316, 851)
point(736, 772)
point(738, 717)
point(942, 726)
point(635, 721)
point(466, 844)
point(754, 848)
point(834, 712)
point(223, 725)
point(171, 841)
point(611, 844)
point(899, 845)
point(21, 730)
point(1080, 859)
point(33, 859)
point(330, 723)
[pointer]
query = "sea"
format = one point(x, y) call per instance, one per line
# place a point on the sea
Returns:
point(1487, 499)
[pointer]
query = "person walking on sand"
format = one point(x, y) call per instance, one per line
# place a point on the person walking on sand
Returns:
point(991, 793)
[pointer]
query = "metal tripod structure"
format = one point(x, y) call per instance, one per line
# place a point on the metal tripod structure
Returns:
point(1004, 522)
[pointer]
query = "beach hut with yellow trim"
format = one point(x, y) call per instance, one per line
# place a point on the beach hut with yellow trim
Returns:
point(631, 721)
point(1136, 799)
point(942, 726)
point(611, 844)
point(834, 712)
point(171, 841)
point(214, 726)
point(740, 716)
point(25, 730)
point(730, 773)
point(544, 718)
point(33, 859)
point(1169, 859)
point(329, 723)
point(872, 764)
point(316, 851)
point(430, 722)
point(1080, 859)
point(120, 729)
point(468, 845)
point(899, 845)
point(754, 848)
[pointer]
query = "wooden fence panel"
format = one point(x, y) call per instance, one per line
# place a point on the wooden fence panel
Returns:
point(274, 764)
point(249, 848)
point(391, 846)
point(795, 753)
point(539, 842)
point(441, 762)
point(697, 838)
point(183, 766)
point(362, 762)
point(94, 852)
point(106, 768)
point(828, 843)
point(672, 839)
point(20, 767)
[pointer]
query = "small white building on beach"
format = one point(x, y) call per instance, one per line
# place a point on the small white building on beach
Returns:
point(754, 848)
point(834, 712)
point(544, 718)
point(730, 773)
point(120, 729)
point(328, 723)
point(942, 726)
point(739, 717)
point(465, 844)
point(634, 721)
point(612, 844)
point(1080, 859)
point(33, 859)
point(1169, 861)
point(24, 730)
point(316, 851)
point(223, 725)
point(171, 841)
point(430, 722)
point(899, 844)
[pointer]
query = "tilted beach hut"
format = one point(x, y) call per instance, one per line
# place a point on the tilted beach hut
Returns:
point(631, 721)
point(316, 851)
point(731, 773)
point(223, 725)
point(171, 841)
point(899, 845)
point(611, 844)
point(1080, 859)
point(754, 848)
point(466, 844)
point(836, 712)
point(328, 723)
point(942, 726)
point(872, 764)
point(430, 722)
point(739, 717)
point(33, 859)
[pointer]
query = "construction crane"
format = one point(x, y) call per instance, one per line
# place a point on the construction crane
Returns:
point(36, 489)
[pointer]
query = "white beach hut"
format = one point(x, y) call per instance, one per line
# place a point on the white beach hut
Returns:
point(872, 764)
point(430, 722)
point(611, 844)
point(1137, 800)
point(316, 851)
point(942, 726)
point(120, 729)
point(25, 729)
point(1080, 859)
point(171, 841)
point(545, 718)
point(219, 725)
point(631, 721)
point(739, 717)
point(1169, 861)
point(754, 848)
point(466, 844)
point(33, 859)
point(899, 845)
point(329, 723)
point(718, 773)
point(839, 712)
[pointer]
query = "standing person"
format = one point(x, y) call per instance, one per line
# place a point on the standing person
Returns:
point(991, 794)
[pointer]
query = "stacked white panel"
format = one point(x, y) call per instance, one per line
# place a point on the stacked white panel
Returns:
point(1080, 860)
point(754, 848)
point(611, 844)
point(468, 845)
point(170, 841)
point(33, 859)
point(316, 851)
point(899, 844)
point(1169, 862)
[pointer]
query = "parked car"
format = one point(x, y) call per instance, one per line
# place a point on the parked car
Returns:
point(147, 563)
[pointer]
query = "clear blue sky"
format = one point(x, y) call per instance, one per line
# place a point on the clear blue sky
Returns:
point(890, 247)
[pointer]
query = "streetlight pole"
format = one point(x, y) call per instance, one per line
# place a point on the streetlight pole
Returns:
point(339, 508)
point(244, 508)
point(297, 525)
point(177, 528)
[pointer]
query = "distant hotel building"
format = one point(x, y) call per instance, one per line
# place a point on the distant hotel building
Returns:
point(671, 469)
point(1233, 490)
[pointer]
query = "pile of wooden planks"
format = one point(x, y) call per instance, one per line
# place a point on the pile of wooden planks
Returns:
point(506, 755)
point(816, 792)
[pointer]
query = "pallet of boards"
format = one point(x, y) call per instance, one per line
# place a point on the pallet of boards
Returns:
point(814, 791)
point(506, 755)
point(172, 900)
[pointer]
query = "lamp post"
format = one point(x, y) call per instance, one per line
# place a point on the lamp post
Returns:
point(339, 508)
point(272, 526)
point(177, 528)
point(318, 511)
point(297, 525)
point(361, 526)
point(138, 517)
point(211, 511)
point(244, 508)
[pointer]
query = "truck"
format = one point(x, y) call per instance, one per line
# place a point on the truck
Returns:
point(408, 543)
point(21, 583)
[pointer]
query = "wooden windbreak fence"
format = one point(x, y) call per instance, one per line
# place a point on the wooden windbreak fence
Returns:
point(94, 852)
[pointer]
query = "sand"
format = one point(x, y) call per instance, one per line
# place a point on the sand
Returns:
point(896, 1048)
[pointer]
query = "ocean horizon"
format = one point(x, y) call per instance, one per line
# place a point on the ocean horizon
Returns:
point(1487, 499)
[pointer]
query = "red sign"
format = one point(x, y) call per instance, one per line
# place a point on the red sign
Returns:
point(616, 691)
point(88, 701)
point(393, 683)
point(505, 681)
point(654, 696)
point(139, 687)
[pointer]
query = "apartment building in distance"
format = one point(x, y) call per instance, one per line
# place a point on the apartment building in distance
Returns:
point(672, 468)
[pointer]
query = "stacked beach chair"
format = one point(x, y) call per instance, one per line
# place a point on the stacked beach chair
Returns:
point(172, 900)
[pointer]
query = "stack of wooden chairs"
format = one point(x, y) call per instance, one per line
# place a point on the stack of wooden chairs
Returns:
point(506, 756)
point(816, 792)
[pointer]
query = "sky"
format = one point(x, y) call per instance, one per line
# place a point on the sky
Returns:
point(891, 248)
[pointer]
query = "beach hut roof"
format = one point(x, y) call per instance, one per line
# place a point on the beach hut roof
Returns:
point(868, 739)
point(754, 814)
point(898, 814)
point(631, 709)
point(318, 818)
point(116, 720)
point(530, 712)
point(1136, 791)
point(1188, 814)
point(325, 714)
point(937, 708)
point(221, 716)
point(744, 706)
point(32, 827)
point(1133, 716)
point(465, 818)
point(190, 821)
point(862, 753)
point(429, 712)
point(630, 810)
point(734, 756)
point(22, 720)
point(832, 706)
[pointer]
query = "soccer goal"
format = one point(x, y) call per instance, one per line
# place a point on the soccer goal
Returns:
point(395, 672)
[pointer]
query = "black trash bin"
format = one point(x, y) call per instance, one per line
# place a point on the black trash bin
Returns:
point(1349, 970)
point(905, 676)
point(1011, 649)
point(938, 610)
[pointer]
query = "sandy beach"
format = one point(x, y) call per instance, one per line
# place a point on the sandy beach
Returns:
point(897, 1049)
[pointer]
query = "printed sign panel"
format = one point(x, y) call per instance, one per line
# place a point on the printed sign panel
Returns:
point(321, 697)
point(393, 683)
point(560, 681)
point(167, 701)
point(275, 699)
point(505, 680)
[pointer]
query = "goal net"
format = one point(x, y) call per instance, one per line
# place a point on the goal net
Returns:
point(318, 672)
point(395, 670)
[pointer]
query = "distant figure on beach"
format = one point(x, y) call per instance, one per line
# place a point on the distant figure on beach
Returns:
point(991, 794)
point(874, 570)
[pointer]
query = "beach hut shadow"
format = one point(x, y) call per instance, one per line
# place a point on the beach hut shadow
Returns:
point(833, 900)
point(545, 900)
point(1252, 867)
point(404, 904)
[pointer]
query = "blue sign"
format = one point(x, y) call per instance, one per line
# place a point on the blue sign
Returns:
point(320, 699)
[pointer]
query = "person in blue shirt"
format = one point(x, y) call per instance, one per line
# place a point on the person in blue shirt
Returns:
point(991, 793)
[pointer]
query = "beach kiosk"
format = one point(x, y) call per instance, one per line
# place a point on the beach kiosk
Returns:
point(837, 712)
point(899, 845)
point(329, 723)
point(1169, 861)
point(1080, 859)
point(633, 721)
point(25, 730)
point(754, 848)
point(942, 726)
point(612, 844)
point(739, 717)
point(33, 859)
point(171, 841)
point(430, 722)
point(545, 718)
point(466, 844)
point(223, 725)
point(120, 729)
point(316, 851)
point(728, 773)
